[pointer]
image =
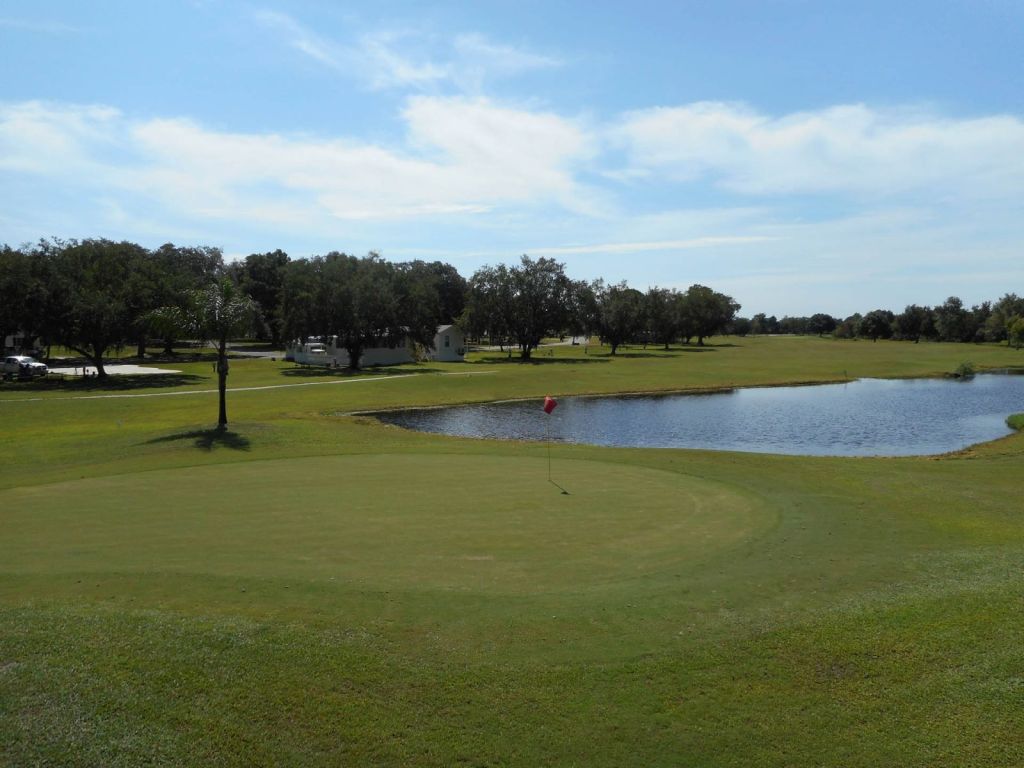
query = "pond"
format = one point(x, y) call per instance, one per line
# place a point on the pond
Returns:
point(867, 417)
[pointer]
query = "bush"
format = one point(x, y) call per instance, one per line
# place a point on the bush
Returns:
point(964, 371)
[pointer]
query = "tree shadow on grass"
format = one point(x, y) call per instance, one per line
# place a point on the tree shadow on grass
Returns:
point(502, 359)
point(113, 383)
point(208, 439)
point(257, 346)
point(206, 356)
point(313, 371)
point(640, 354)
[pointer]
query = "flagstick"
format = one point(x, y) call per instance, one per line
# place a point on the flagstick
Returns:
point(547, 426)
point(549, 406)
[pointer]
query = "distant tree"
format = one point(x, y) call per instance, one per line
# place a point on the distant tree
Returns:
point(662, 318)
point(451, 288)
point(1007, 309)
point(911, 323)
point(821, 324)
point(489, 304)
point(300, 307)
point(762, 324)
point(262, 277)
point(421, 305)
point(215, 313)
point(1016, 331)
point(94, 296)
point(953, 322)
point(360, 302)
point(877, 324)
point(447, 288)
point(928, 329)
point(740, 326)
point(539, 302)
point(190, 267)
point(797, 326)
point(850, 327)
point(707, 312)
point(527, 301)
point(22, 294)
point(977, 322)
point(684, 317)
point(581, 308)
point(620, 311)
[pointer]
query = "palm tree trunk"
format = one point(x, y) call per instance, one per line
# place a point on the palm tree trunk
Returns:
point(222, 383)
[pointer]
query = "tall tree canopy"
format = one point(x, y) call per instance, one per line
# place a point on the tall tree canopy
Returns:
point(22, 294)
point(97, 291)
point(661, 315)
point(361, 303)
point(705, 312)
point(912, 323)
point(262, 277)
point(527, 301)
point(877, 324)
point(620, 312)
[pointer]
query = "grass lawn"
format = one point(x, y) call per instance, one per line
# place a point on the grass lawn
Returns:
point(315, 588)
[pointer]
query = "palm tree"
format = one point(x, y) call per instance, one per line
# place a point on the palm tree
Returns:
point(215, 314)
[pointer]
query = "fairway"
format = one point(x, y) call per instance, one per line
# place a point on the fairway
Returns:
point(474, 523)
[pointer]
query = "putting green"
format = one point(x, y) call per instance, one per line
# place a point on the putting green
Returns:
point(474, 523)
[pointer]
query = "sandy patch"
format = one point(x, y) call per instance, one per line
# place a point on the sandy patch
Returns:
point(126, 369)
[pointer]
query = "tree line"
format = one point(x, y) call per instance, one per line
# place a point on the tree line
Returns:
point(990, 321)
point(96, 296)
point(519, 305)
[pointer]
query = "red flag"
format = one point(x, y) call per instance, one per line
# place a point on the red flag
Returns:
point(549, 403)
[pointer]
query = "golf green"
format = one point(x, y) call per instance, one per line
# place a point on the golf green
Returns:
point(491, 524)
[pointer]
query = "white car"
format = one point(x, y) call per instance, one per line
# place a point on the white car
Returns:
point(23, 367)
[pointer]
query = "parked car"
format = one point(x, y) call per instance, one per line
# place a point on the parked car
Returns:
point(23, 367)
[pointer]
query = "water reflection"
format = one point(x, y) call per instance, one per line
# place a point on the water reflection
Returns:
point(869, 417)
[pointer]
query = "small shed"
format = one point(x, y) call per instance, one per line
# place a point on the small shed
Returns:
point(449, 345)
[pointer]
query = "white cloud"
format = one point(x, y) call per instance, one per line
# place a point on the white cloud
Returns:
point(36, 137)
point(501, 59)
point(385, 67)
point(464, 157)
point(408, 59)
point(847, 148)
point(477, 60)
point(301, 39)
point(506, 152)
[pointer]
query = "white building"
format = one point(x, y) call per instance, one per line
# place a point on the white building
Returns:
point(325, 351)
point(18, 342)
point(449, 345)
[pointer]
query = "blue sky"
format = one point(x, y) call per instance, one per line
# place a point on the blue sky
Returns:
point(801, 156)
